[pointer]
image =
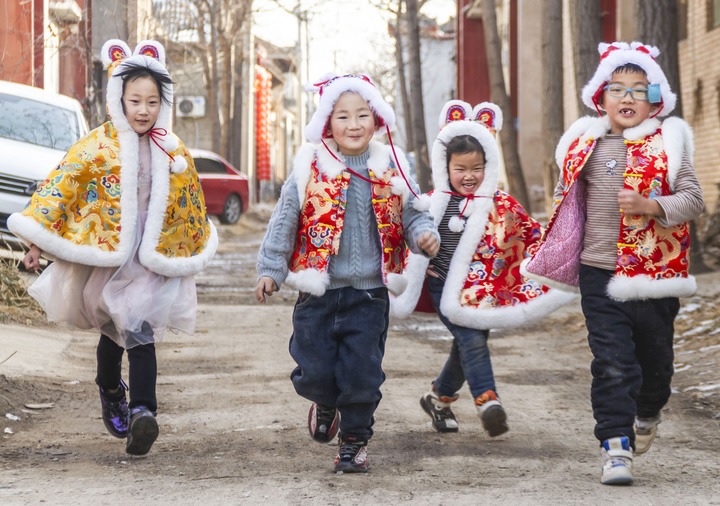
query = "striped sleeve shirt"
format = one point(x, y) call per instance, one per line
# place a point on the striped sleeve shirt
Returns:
point(449, 240)
point(603, 177)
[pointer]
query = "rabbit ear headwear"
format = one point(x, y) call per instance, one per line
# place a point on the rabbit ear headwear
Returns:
point(116, 56)
point(481, 122)
point(459, 118)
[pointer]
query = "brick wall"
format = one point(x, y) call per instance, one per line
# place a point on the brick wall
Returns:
point(700, 83)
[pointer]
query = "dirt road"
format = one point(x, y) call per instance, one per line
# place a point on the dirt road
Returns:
point(234, 432)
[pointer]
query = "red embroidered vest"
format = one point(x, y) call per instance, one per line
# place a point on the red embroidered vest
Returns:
point(322, 218)
point(644, 246)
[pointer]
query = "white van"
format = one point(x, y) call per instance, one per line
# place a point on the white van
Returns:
point(37, 127)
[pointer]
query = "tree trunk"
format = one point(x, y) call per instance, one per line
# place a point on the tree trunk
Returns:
point(226, 79)
point(499, 95)
point(586, 31)
point(657, 25)
point(402, 81)
point(422, 160)
point(236, 123)
point(218, 25)
point(552, 93)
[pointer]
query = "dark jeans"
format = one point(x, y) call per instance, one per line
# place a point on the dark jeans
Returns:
point(632, 347)
point(338, 343)
point(469, 357)
point(142, 367)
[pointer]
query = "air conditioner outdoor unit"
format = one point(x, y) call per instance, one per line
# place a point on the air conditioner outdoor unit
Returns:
point(190, 107)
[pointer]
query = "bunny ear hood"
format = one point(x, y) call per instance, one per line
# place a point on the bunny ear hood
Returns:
point(484, 288)
point(481, 122)
point(116, 57)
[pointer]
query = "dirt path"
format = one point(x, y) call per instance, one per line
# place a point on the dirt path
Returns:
point(233, 431)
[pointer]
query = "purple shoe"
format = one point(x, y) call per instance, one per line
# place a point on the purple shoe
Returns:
point(143, 431)
point(115, 411)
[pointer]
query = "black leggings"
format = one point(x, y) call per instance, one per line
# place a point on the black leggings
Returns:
point(142, 366)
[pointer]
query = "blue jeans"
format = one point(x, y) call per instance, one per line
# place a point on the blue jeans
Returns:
point(338, 343)
point(469, 356)
point(632, 347)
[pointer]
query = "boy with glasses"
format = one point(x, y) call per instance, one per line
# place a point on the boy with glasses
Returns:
point(620, 233)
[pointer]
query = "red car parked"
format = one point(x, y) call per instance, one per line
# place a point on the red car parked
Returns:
point(225, 187)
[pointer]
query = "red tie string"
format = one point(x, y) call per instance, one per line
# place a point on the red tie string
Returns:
point(159, 133)
point(381, 183)
point(397, 163)
point(467, 197)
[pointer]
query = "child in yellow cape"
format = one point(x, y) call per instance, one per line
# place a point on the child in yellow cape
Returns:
point(123, 216)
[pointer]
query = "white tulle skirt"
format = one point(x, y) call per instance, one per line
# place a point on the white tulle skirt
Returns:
point(117, 300)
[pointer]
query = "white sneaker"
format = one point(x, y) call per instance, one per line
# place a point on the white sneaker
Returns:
point(645, 432)
point(617, 456)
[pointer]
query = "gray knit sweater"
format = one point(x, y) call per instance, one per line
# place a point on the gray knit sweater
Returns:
point(359, 258)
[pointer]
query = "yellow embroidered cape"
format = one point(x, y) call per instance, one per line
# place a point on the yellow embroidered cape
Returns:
point(86, 210)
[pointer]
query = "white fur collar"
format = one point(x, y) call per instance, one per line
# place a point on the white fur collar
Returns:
point(380, 159)
point(592, 128)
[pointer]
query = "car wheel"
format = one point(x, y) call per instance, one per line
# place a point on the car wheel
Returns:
point(231, 210)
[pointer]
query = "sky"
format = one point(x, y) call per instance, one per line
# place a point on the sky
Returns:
point(343, 34)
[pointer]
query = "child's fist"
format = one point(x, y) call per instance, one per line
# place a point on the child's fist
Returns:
point(632, 203)
point(265, 286)
point(429, 244)
point(31, 260)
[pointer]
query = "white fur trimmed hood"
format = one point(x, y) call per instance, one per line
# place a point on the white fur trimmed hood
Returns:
point(458, 118)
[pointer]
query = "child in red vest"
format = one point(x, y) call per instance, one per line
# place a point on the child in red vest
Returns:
point(620, 233)
point(474, 282)
point(339, 235)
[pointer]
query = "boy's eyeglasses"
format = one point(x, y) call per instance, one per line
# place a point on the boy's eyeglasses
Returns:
point(617, 91)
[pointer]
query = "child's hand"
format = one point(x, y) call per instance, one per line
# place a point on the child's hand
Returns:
point(265, 286)
point(631, 202)
point(429, 244)
point(431, 273)
point(31, 260)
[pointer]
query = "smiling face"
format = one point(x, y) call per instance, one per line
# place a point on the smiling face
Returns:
point(466, 172)
point(626, 112)
point(141, 103)
point(352, 124)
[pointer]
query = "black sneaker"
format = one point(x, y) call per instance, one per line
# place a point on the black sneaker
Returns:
point(443, 419)
point(115, 411)
point(323, 422)
point(143, 431)
point(352, 457)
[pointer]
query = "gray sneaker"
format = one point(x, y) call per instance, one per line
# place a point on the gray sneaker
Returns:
point(492, 414)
